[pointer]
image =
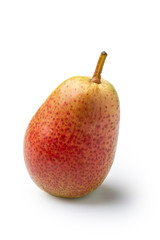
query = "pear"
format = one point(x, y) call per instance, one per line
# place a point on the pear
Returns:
point(70, 143)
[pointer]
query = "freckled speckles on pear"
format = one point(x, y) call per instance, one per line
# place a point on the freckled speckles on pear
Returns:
point(71, 152)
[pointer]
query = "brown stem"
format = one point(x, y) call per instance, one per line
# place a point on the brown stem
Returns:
point(97, 74)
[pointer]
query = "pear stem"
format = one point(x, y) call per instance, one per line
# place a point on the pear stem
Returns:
point(97, 74)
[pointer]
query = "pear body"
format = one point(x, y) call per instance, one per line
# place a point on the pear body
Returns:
point(70, 143)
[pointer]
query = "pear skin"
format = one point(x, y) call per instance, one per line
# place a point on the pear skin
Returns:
point(70, 143)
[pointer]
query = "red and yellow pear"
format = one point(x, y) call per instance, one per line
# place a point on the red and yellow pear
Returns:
point(70, 143)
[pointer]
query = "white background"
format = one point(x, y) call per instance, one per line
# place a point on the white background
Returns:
point(42, 43)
